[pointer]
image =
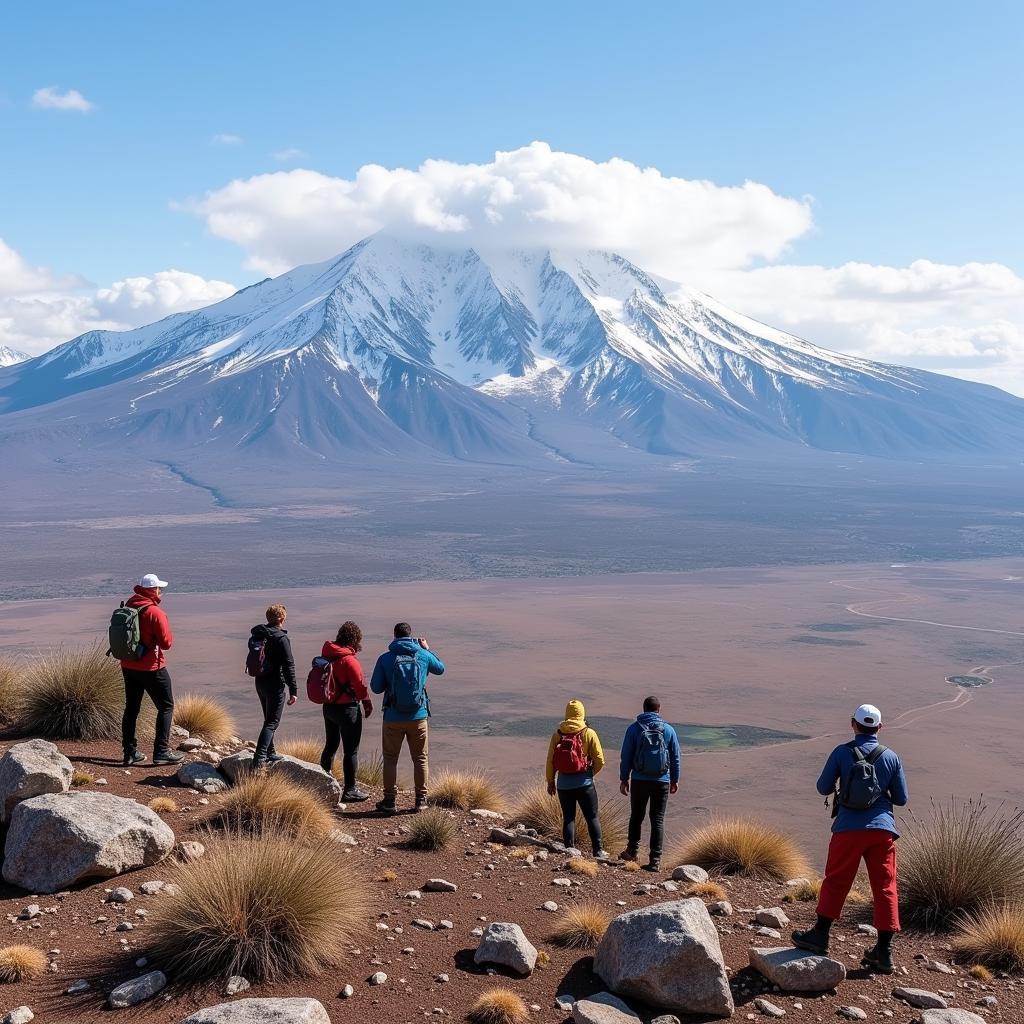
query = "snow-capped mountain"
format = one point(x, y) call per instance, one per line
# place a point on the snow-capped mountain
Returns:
point(395, 346)
point(10, 356)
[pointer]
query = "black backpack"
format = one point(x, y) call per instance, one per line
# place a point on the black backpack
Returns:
point(861, 788)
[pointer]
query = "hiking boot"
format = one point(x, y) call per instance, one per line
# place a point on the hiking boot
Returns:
point(386, 806)
point(602, 855)
point(273, 757)
point(133, 757)
point(629, 853)
point(814, 940)
point(354, 796)
point(878, 960)
point(168, 757)
point(654, 864)
point(421, 802)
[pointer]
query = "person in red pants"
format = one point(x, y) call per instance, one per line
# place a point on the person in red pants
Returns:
point(870, 783)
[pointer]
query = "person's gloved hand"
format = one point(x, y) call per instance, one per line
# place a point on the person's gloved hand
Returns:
point(367, 708)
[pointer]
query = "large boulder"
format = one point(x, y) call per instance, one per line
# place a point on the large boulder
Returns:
point(201, 777)
point(302, 773)
point(950, 1017)
point(31, 769)
point(667, 955)
point(507, 945)
point(262, 1011)
point(795, 970)
point(57, 840)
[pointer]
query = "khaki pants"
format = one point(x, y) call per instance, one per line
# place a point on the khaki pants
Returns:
point(392, 734)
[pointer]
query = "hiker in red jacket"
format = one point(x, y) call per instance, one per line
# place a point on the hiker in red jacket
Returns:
point(147, 674)
point(343, 720)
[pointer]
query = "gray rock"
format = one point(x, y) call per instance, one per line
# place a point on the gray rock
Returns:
point(423, 923)
point(347, 992)
point(940, 968)
point(772, 917)
point(767, 1008)
point(19, 1015)
point(949, 1017)
point(867, 929)
point(302, 773)
point(122, 894)
point(501, 836)
point(378, 978)
point(201, 777)
point(439, 885)
point(603, 1008)
point(920, 998)
point(138, 990)
point(768, 933)
point(690, 873)
point(189, 850)
point(666, 1018)
point(720, 908)
point(192, 743)
point(795, 970)
point(564, 1002)
point(483, 812)
point(667, 955)
point(987, 1001)
point(344, 838)
point(851, 1013)
point(797, 883)
point(262, 1011)
point(505, 944)
point(85, 835)
point(236, 983)
point(31, 769)
point(76, 988)
point(151, 888)
point(550, 906)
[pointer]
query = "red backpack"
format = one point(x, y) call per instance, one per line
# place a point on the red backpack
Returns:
point(320, 686)
point(570, 757)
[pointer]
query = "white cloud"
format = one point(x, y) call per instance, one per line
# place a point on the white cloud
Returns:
point(289, 153)
point(51, 98)
point(226, 139)
point(141, 300)
point(18, 276)
point(533, 196)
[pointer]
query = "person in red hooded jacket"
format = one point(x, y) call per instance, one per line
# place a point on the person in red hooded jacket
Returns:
point(148, 675)
point(343, 720)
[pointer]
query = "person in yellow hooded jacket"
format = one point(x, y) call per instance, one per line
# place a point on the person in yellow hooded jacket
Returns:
point(574, 758)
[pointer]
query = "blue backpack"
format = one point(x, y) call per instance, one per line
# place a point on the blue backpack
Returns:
point(407, 690)
point(651, 754)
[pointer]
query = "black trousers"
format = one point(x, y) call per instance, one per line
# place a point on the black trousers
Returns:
point(157, 685)
point(584, 797)
point(343, 726)
point(643, 794)
point(272, 693)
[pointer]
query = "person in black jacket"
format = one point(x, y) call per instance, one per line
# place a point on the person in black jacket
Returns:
point(276, 679)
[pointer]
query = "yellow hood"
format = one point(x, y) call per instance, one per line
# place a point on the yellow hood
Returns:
point(575, 717)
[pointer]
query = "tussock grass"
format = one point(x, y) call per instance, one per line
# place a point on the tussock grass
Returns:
point(521, 852)
point(261, 906)
point(388, 875)
point(811, 890)
point(163, 805)
point(498, 1006)
point(963, 858)
point(992, 937)
point(269, 804)
point(72, 693)
point(11, 673)
point(21, 963)
point(980, 972)
point(631, 865)
point(535, 809)
point(432, 829)
point(204, 716)
point(80, 777)
point(465, 791)
point(581, 926)
point(706, 891)
point(738, 846)
point(582, 866)
point(305, 748)
point(370, 770)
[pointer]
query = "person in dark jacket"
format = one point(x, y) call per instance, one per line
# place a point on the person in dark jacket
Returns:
point(275, 686)
point(343, 720)
point(648, 773)
point(861, 833)
point(148, 675)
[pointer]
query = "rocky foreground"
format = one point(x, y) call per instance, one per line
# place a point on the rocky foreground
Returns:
point(83, 861)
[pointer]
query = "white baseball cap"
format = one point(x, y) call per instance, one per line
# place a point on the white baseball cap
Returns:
point(869, 715)
point(151, 580)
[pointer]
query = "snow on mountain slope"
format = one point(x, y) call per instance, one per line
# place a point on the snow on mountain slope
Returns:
point(395, 344)
point(10, 356)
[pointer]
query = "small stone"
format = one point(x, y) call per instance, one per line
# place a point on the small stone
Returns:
point(940, 968)
point(797, 883)
point(920, 998)
point(347, 992)
point(427, 926)
point(151, 888)
point(565, 883)
point(603, 1008)
point(192, 744)
point(236, 983)
point(771, 933)
point(76, 988)
point(136, 991)
point(30, 913)
point(378, 978)
point(720, 908)
point(564, 1003)
point(446, 924)
point(439, 885)
point(867, 929)
point(772, 917)
point(121, 895)
point(189, 850)
point(550, 906)
point(767, 1008)
point(852, 1013)
point(124, 926)
point(988, 1001)
point(442, 979)
point(19, 1015)
point(413, 894)
point(666, 1018)
point(689, 873)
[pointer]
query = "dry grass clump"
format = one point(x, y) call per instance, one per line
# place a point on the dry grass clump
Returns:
point(10, 674)
point(370, 770)
point(706, 891)
point(388, 875)
point(272, 804)
point(737, 846)
point(260, 906)
point(992, 936)
point(163, 805)
point(582, 926)
point(521, 852)
point(305, 748)
point(432, 829)
point(465, 791)
point(582, 866)
point(204, 716)
point(72, 694)
point(631, 865)
point(21, 963)
point(535, 809)
point(80, 777)
point(962, 859)
point(980, 972)
point(809, 891)
point(498, 1006)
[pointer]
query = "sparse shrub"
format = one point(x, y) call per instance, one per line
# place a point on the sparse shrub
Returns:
point(370, 770)
point(260, 906)
point(498, 1006)
point(203, 716)
point(962, 859)
point(535, 809)
point(582, 926)
point(387, 875)
point(543, 958)
point(21, 963)
point(72, 694)
point(521, 852)
point(80, 777)
point(706, 891)
point(163, 805)
point(631, 865)
point(432, 829)
point(582, 866)
point(273, 805)
point(992, 936)
point(736, 846)
point(809, 891)
point(980, 972)
point(11, 673)
point(465, 791)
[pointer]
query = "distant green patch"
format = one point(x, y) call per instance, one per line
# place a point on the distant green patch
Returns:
point(968, 681)
point(841, 627)
point(826, 641)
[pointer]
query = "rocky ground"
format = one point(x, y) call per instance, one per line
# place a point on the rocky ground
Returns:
point(431, 972)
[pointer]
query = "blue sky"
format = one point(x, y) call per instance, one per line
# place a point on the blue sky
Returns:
point(898, 125)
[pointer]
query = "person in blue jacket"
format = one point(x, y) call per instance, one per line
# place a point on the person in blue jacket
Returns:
point(648, 773)
point(401, 675)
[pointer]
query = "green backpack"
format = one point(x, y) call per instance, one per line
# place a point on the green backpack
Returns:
point(125, 635)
